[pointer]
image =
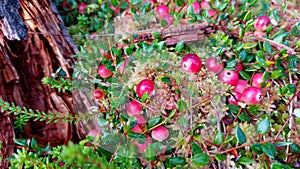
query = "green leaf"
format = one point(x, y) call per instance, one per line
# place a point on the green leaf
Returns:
point(201, 159)
point(278, 165)
point(260, 58)
point(156, 34)
point(276, 74)
point(21, 142)
point(33, 143)
point(135, 2)
point(154, 121)
point(245, 160)
point(181, 105)
point(267, 47)
point(183, 122)
point(166, 79)
point(295, 148)
point(245, 75)
point(269, 149)
point(220, 157)
point(263, 126)
point(218, 138)
point(256, 148)
point(163, 22)
point(179, 46)
point(180, 2)
point(241, 137)
point(196, 148)
point(249, 45)
point(140, 138)
point(175, 161)
point(233, 108)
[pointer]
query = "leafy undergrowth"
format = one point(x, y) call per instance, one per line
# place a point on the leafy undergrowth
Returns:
point(234, 105)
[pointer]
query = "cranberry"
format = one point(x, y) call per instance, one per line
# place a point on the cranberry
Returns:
point(212, 65)
point(162, 10)
point(229, 76)
point(240, 86)
point(98, 94)
point(104, 72)
point(252, 95)
point(138, 128)
point(262, 23)
point(213, 14)
point(205, 4)
point(145, 86)
point(134, 108)
point(168, 18)
point(142, 147)
point(239, 66)
point(81, 8)
point(160, 133)
point(196, 7)
point(191, 63)
point(232, 100)
point(257, 79)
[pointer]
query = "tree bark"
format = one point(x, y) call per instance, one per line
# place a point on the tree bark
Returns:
point(24, 63)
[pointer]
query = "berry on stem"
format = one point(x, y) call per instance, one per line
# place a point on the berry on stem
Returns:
point(145, 86)
point(213, 65)
point(257, 79)
point(162, 10)
point(138, 128)
point(134, 108)
point(240, 86)
point(262, 23)
point(98, 94)
point(82, 7)
point(160, 133)
point(229, 76)
point(104, 72)
point(252, 95)
point(142, 147)
point(232, 100)
point(191, 64)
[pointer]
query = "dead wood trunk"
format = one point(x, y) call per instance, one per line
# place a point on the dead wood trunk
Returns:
point(22, 66)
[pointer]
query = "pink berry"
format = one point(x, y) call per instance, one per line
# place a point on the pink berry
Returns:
point(191, 64)
point(168, 18)
point(160, 133)
point(252, 95)
point(232, 100)
point(162, 1)
point(212, 14)
point(229, 76)
point(145, 86)
point(240, 86)
point(142, 147)
point(196, 7)
point(162, 10)
point(98, 94)
point(212, 65)
point(81, 8)
point(262, 23)
point(104, 72)
point(134, 108)
point(239, 66)
point(257, 79)
point(205, 4)
point(138, 128)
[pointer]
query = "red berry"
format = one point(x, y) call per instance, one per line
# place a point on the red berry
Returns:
point(81, 8)
point(205, 4)
point(213, 14)
point(191, 63)
point(196, 7)
point(138, 128)
point(232, 100)
point(162, 10)
point(104, 72)
point(257, 79)
point(229, 76)
point(252, 95)
point(134, 108)
point(162, 1)
point(98, 94)
point(240, 86)
point(168, 18)
point(213, 65)
point(145, 86)
point(160, 133)
point(262, 23)
point(142, 147)
point(239, 66)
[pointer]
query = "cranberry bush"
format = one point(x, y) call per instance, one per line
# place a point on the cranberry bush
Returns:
point(228, 101)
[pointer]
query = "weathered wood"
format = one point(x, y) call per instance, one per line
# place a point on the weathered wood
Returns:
point(24, 63)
